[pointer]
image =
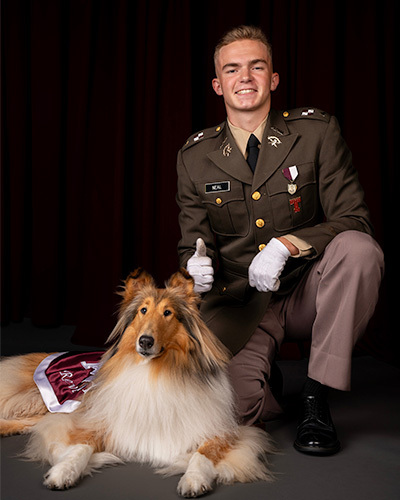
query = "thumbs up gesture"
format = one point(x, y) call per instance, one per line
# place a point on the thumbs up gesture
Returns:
point(199, 266)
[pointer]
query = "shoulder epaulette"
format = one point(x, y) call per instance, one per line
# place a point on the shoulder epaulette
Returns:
point(205, 134)
point(306, 113)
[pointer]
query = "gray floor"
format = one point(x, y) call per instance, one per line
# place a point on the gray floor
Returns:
point(367, 421)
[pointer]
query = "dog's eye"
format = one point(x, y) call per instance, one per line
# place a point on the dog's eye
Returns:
point(167, 312)
point(143, 310)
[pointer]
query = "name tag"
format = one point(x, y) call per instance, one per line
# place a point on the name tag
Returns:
point(218, 187)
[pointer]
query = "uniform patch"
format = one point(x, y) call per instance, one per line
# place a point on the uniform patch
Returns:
point(218, 187)
point(296, 204)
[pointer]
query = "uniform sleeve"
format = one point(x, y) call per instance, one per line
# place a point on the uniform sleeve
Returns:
point(341, 195)
point(193, 218)
point(303, 247)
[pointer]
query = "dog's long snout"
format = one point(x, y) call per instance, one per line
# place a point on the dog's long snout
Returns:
point(146, 342)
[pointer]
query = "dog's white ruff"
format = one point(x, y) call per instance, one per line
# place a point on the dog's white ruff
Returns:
point(158, 420)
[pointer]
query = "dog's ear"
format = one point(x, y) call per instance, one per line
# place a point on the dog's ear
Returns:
point(135, 281)
point(183, 281)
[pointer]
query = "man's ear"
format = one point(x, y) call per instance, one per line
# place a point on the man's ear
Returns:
point(274, 81)
point(216, 85)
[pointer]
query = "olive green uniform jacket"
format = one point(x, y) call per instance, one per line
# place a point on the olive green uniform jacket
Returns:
point(237, 212)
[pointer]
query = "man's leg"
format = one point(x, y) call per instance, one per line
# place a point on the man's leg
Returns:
point(250, 371)
point(340, 293)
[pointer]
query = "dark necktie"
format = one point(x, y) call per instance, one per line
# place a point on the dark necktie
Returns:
point(252, 149)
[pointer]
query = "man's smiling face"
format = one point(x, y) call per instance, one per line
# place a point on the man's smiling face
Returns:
point(245, 78)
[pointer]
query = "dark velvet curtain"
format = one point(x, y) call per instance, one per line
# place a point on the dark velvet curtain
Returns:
point(99, 95)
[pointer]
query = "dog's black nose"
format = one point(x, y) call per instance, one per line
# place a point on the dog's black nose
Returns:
point(146, 342)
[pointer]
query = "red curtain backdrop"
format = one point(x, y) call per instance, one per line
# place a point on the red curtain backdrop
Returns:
point(99, 95)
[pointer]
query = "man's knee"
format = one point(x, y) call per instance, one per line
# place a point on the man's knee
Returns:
point(360, 252)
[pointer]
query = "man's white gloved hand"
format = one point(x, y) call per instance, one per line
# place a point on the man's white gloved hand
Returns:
point(200, 268)
point(267, 265)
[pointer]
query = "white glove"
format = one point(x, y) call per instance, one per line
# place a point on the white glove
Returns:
point(266, 267)
point(200, 268)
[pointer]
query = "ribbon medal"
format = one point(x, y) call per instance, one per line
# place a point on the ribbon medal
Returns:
point(290, 174)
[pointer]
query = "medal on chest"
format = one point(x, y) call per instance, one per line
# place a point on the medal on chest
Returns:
point(291, 174)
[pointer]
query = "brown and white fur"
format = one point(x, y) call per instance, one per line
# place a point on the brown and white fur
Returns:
point(161, 396)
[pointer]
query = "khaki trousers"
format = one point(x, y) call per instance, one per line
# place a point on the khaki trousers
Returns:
point(332, 305)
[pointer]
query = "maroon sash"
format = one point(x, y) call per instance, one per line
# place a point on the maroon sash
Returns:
point(64, 376)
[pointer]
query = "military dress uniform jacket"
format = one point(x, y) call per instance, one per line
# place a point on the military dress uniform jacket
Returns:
point(237, 212)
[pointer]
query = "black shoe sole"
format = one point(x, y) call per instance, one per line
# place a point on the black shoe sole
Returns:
point(317, 451)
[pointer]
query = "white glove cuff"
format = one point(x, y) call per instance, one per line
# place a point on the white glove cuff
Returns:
point(281, 250)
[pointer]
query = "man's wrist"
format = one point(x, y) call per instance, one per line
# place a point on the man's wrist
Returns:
point(292, 248)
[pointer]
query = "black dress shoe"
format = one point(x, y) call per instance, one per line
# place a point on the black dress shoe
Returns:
point(316, 434)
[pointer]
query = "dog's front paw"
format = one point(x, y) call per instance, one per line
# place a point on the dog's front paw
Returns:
point(193, 485)
point(61, 477)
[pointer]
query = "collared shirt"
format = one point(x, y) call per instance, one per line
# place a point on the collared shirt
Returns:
point(241, 137)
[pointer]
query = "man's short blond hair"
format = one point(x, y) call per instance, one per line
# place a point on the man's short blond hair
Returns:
point(242, 33)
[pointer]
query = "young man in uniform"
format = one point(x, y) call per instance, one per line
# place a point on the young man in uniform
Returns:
point(277, 236)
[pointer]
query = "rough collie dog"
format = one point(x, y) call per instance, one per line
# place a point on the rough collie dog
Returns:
point(161, 396)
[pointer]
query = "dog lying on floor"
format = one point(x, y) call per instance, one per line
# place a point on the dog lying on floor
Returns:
point(161, 396)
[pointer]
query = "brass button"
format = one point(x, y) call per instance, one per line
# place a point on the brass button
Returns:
point(285, 114)
point(256, 195)
point(260, 223)
point(262, 246)
point(218, 129)
point(224, 289)
point(218, 201)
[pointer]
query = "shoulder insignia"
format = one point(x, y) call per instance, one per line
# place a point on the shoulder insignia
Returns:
point(203, 135)
point(306, 113)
